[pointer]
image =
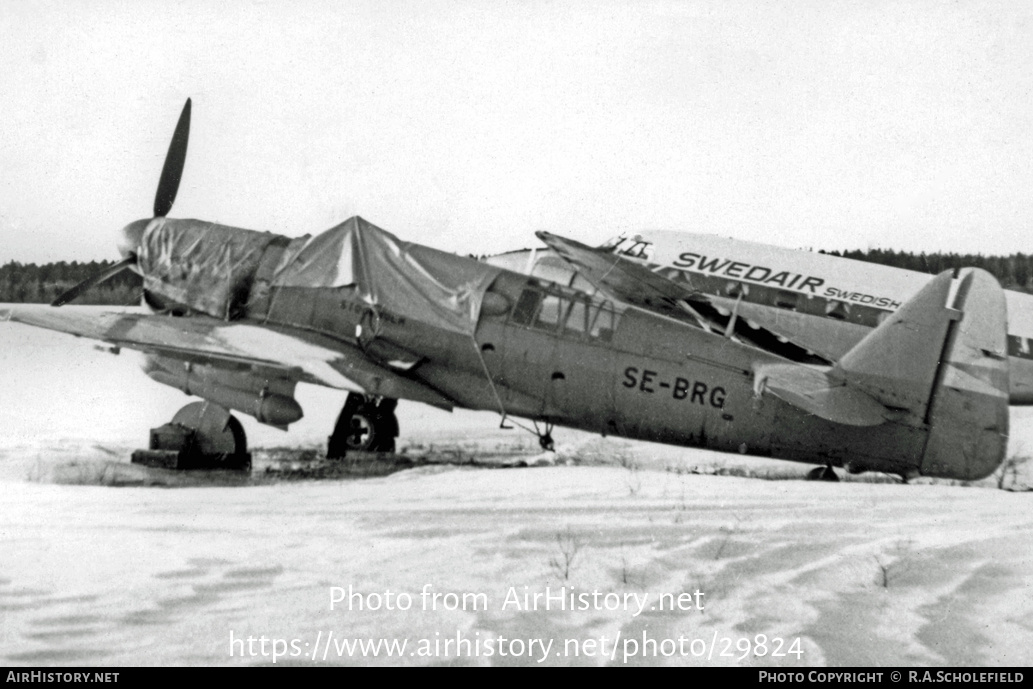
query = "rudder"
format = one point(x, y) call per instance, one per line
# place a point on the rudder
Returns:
point(968, 411)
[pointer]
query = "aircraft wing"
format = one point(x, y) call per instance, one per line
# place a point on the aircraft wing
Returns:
point(673, 295)
point(289, 353)
point(627, 281)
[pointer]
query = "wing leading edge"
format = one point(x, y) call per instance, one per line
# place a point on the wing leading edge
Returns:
point(288, 353)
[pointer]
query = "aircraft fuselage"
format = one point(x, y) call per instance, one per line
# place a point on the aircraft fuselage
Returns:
point(546, 352)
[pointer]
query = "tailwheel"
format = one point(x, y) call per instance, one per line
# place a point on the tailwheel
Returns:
point(825, 473)
point(201, 435)
point(365, 424)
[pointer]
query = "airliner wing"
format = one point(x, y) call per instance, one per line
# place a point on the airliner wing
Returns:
point(827, 338)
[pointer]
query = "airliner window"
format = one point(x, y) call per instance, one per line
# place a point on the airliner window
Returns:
point(787, 300)
point(526, 307)
point(837, 309)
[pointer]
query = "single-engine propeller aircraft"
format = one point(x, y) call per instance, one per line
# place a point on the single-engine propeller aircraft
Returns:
point(806, 306)
point(240, 317)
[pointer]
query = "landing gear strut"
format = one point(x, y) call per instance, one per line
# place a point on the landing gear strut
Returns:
point(545, 437)
point(366, 424)
point(201, 435)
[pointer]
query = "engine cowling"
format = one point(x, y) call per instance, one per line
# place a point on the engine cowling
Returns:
point(199, 266)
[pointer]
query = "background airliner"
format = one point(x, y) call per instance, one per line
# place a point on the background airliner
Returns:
point(804, 305)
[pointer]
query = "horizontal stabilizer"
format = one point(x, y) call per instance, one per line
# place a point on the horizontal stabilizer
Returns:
point(815, 392)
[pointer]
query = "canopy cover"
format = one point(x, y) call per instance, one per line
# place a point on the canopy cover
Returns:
point(404, 278)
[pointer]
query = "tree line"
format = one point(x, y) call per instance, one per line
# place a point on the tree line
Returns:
point(31, 283)
point(41, 284)
point(1013, 272)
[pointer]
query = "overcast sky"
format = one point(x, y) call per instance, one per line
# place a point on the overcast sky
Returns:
point(469, 125)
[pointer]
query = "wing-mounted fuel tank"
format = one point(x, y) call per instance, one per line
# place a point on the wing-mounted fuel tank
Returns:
point(192, 265)
point(261, 394)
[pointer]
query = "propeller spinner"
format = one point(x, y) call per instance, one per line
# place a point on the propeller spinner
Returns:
point(168, 185)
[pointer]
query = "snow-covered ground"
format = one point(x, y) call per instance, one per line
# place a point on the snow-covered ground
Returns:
point(822, 575)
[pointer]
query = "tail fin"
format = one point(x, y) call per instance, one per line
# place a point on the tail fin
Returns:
point(947, 368)
point(897, 363)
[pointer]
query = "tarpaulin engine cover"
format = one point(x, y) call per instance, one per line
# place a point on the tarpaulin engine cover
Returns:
point(211, 267)
point(203, 265)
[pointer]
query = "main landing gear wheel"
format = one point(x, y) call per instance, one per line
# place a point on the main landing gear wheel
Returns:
point(364, 425)
point(825, 473)
point(201, 435)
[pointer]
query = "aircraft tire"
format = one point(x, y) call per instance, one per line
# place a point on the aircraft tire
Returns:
point(825, 473)
point(363, 433)
point(370, 430)
point(364, 427)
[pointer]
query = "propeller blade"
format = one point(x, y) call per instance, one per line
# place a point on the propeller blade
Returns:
point(168, 185)
point(89, 282)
